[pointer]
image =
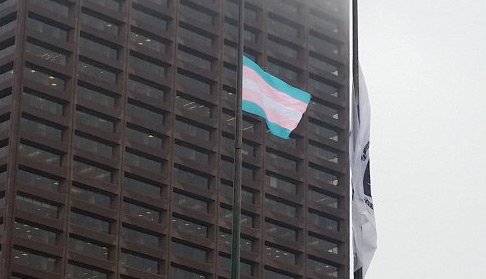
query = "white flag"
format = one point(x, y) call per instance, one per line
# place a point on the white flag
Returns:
point(363, 216)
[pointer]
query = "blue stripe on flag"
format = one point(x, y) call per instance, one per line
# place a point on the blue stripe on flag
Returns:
point(277, 83)
point(275, 129)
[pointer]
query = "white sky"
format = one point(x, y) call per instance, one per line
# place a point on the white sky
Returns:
point(425, 65)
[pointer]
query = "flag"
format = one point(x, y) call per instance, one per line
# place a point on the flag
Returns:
point(363, 216)
point(280, 104)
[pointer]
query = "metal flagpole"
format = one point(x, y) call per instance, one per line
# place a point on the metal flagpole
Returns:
point(235, 244)
point(358, 273)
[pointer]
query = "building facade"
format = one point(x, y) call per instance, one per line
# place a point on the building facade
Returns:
point(116, 140)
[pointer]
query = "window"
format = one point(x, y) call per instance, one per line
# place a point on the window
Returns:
point(34, 232)
point(32, 259)
point(141, 262)
point(281, 207)
point(55, 7)
point(91, 196)
point(41, 129)
point(146, 88)
point(319, 44)
point(245, 267)
point(93, 146)
point(30, 178)
point(322, 244)
point(36, 206)
point(322, 199)
point(323, 175)
point(89, 222)
point(194, 84)
point(45, 52)
point(280, 231)
point(194, 38)
point(5, 101)
point(195, 12)
point(323, 131)
point(114, 5)
point(280, 255)
point(323, 108)
point(144, 137)
point(143, 112)
point(282, 183)
point(228, 119)
point(190, 202)
point(246, 219)
point(282, 47)
point(322, 221)
point(285, 6)
point(142, 211)
point(144, 161)
point(40, 154)
point(194, 59)
point(323, 65)
point(141, 236)
point(176, 272)
point(150, 18)
point(91, 171)
point(47, 28)
point(189, 251)
point(98, 22)
point(246, 244)
point(7, 3)
point(270, 274)
point(148, 41)
point(324, 22)
point(97, 71)
point(139, 62)
point(192, 153)
point(44, 104)
point(226, 190)
point(7, 48)
point(280, 160)
point(320, 86)
point(97, 95)
point(320, 267)
point(283, 28)
point(142, 187)
point(185, 226)
point(6, 73)
point(283, 71)
point(192, 177)
point(44, 77)
point(89, 247)
point(95, 121)
point(84, 272)
point(91, 44)
point(193, 129)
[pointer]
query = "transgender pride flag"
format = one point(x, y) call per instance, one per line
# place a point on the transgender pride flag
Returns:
point(280, 104)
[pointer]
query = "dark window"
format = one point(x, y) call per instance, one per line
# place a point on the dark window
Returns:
point(322, 244)
point(323, 175)
point(36, 206)
point(194, 84)
point(192, 153)
point(189, 12)
point(151, 18)
point(282, 47)
point(95, 121)
point(89, 247)
point(226, 190)
point(90, 222)
point(41, 129)
point(42, 103)
point(194, 38)
point(323, 131)
point(40, 154)
point(86, 272)
point(146, 64)
point(45, 52)
point(190, 202)
point(96, 46)
point(325, 23)
point(270, 274)
point(322, 108)
point(282, 183)
point(98, 22)
point(323, 65)
point(32, 259)
point(189, 227)
point(146, 88)
point(7, 3)
point(286, 6)
point(43, 77)
point(282, 71)
point(6, 48)
point(34, 232)
point(193, 129)
point(141, 236)
point(323, 221)
point(144, 112)
point(148, 41)
point(280, 255)
point(110, 4)
point(144, 161)
point(280, 207)
point(97, 71)
point(144, 137)
point(189, 251)
point(192, 177)
point(97, 95)
point(47, 28)
point(281, 231)
point(228, 119)
point(55, 7)
point(93, 146)
point(142, 211)
point(245, 267)
point(246, 219)
point(38, 180)
point(91, 196)
point(194, 59)
point(320, 267)
point(319, 86)
point(142, 187)
point(246, 244)
point(91, 171)
point(322, 199)
point(176, 272)
point(283, 28)
point(281, 160)
point(319, 44)
point(140, 262)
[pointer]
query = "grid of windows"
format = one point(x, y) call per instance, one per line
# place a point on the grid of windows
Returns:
point(124, 147)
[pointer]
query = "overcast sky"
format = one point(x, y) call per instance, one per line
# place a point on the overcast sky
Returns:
point(425, 65)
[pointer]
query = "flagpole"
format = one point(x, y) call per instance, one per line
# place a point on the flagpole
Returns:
point(358, 273)
point(236, 228)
